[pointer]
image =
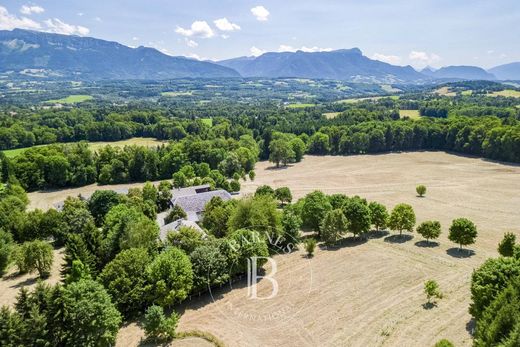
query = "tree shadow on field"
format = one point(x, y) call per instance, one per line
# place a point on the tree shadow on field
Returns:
point(427, 244)
point(281, 167)
point(398, 238)
point(456, 252)
point(429, 305)
point(351, 241)
point(26, 282)
point(377, 234)
point(470, 326)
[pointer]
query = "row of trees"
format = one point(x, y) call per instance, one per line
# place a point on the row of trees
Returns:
point(77, 165)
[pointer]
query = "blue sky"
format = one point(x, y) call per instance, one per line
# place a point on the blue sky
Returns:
point(420, 32)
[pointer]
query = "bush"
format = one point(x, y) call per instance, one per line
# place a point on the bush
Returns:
point(310, 246)
point(421, 190)
point(283, 194)
point(506, 247)
point(444, 343)
point(157, 326)
point(264, 190)
point(186, 238)
point(431, 289)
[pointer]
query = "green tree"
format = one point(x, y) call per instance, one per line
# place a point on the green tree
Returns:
point(298, 147)
point(101, 202)
point(78, 272)
point(506, 247)
point(429, 229)
point(90, 318)
point(142, 232)
point(171, 277)
point(210, 266)
point(319, 143)
point(257, 213)
point(378, 215)
point(264, 190)
point(252, 175)
point(234, 185)
point(186, 238)
point(421, 190)
point(125, 280)
point(315, 207)
point(216, 216)
point(358, 216)
point(157, 327)
point(291, 224)
point(489, 280)
point(6, 247)
point(463, 232)
point(36, 255)
point(283, 194)
point(333, 226)
point(499, 324)
point(179, 180)
point(175, 213)
point(280, 152)
point(164, 195)
point(431, 289)
point(402, 218)
point(150, 193)
point(243, 244)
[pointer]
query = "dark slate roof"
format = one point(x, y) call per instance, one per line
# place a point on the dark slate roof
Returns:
point(178, 192)
point(195, 203)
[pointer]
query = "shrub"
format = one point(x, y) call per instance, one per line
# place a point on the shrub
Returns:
point(421, 190)
point(174, 214)
point(310, 246)
point(157, 326)
point(6, 248)
point(444, 343)
point(431, 289)
point(506, 247)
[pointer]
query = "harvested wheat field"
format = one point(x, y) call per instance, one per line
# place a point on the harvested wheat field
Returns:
point(369, 293)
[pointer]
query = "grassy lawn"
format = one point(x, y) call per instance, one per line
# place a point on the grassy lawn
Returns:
point(445, 91)
point(331, 115)
point(207, 121)
point(466, 92)
point(300, 105)
point(507, 93)
point(174, 94)
point(139, 141)
point(71, 99)
point(413, 114)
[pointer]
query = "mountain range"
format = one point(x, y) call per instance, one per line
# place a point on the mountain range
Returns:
point(39, 54)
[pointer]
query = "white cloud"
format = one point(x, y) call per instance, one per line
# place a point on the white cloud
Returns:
point(98, 19)
point(193, 56)
point(224, 24)
point(490, 51)
point(261, 13)
point(256, 51)
point(135, 38)
point(28, 9)
point(390, 59)
point(80, 14)
point(224, 36)
point(423, 58)
point(198, 29)
point(191, 43)
point(58, 27)
point(288, 48)
point(9, 21)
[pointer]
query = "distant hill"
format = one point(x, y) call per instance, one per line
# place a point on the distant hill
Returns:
point(507, 72)
point(460, 73)
point(51, 55)
point(343, 64)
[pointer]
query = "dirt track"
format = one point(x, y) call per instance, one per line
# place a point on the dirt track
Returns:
point(370, 294)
